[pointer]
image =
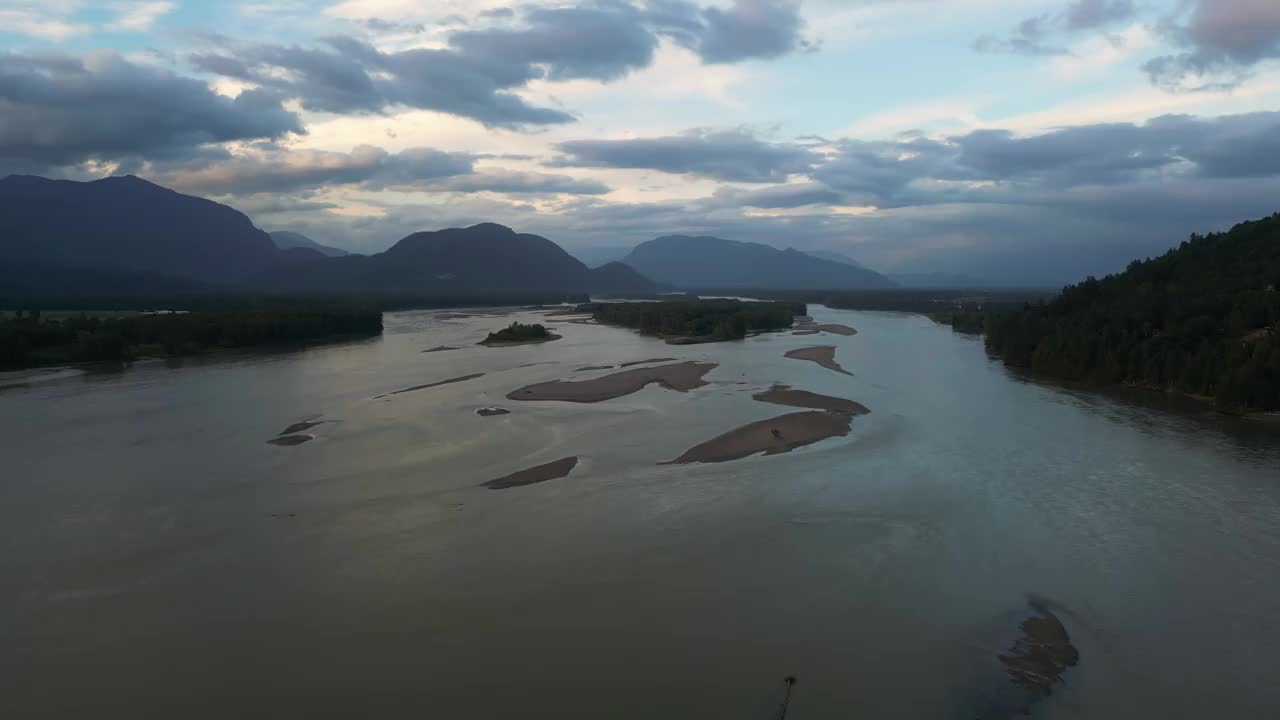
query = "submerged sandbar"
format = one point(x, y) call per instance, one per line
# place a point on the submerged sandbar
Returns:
point(785, 395)
point(681, 377)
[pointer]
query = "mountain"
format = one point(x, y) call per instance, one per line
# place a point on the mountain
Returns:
point(1204, 319)
point(286, 240)
point(485, 259)
point(127, 225)
point(938, 280)
point(618, 280)
point(834, 256)
point(597, 255)
point(23, 283)
point(911, 280)
point(713, 263)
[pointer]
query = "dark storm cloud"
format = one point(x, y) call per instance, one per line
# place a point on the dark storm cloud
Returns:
point(1221, 36)
point(477, 75)
point(351, 76)
point(733, 155)
point(779, 197)
point(996, 164)
point(289, 171)
point(1033, 36)
point(60, 110)
point(751, 29)
point(600, 42)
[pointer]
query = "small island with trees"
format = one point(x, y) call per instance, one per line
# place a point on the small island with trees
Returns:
point(687, 322)
point(519, 334)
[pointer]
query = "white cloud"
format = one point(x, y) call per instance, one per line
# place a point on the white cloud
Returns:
point(137, 16)
point(39, 25)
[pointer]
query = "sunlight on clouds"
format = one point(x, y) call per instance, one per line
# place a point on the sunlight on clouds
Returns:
point(137, 16)
point(1099, 53)
point(39, 25)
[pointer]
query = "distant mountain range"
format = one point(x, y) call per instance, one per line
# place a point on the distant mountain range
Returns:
point(484, 259)
point(714, 263)
point(286, 240)
point(125, 236)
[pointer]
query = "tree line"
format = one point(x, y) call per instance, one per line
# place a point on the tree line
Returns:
point(1202, 319)
point(698, 320)
point(30, 338)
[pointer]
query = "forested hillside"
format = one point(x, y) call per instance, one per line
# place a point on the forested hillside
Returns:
point(1203, 319)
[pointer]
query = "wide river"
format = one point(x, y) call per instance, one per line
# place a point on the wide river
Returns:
point(161, 560)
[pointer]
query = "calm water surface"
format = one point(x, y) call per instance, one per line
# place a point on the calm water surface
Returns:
point(161, 560)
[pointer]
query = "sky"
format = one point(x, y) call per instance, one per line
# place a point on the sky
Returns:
point(1018, 141)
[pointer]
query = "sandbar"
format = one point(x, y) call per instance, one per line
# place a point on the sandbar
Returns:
point(492, 411)
point(772, 437)
point(833, 328)
point(806, 332)
point(681, 377)
point(531, 476)
point(429, 385)
point(785, 395)
point(590, 368)
point(633, 363)
point(301, 426)
point(441, 348)
point(291, 440)
point(824, 355)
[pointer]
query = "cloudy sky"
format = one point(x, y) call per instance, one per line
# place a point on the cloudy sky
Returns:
point(1015, 140)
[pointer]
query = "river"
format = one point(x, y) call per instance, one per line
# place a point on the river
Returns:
point(162, 560)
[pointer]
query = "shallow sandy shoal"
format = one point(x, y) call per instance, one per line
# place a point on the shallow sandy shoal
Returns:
point(682, 377)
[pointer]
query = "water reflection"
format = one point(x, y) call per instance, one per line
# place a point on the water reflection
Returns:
point(163, 552)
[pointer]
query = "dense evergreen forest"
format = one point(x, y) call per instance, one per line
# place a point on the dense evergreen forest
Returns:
point(1202, 319)
point(30, 339)
point(518, 332)
point(687, 321)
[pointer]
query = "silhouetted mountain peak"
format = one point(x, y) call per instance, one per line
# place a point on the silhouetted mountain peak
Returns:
point(125, 223)
point(706, 262)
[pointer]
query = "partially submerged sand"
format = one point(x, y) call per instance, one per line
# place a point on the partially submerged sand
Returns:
point(301, 426)
point(291, 440)
point(531, 476)
point(834, 329)
point(807, 326)
point(772, 437)
point(681, 377)
point(415, 388)
point(650, 361)
point(633, 363)
point(824, 355)
point(441, 348)
point(492, 411)
point(784, 395)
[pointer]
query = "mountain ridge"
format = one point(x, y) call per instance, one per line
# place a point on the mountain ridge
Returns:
point(709, 262)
